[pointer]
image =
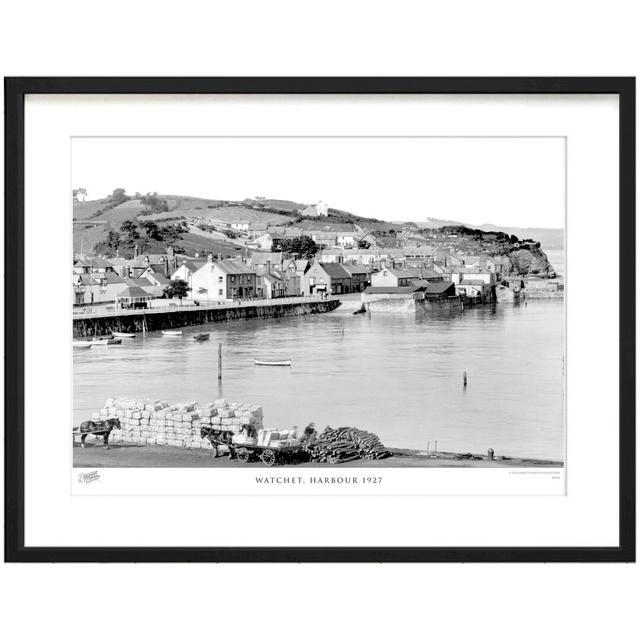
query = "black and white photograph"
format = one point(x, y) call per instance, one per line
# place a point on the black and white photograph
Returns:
point(323, 301)
point(320, 320)
point(387, 324)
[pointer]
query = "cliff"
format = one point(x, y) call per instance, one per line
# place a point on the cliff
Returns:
point(532, 261)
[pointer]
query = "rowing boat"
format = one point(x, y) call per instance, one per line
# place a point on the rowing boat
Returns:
point(168, 332)
point(81, 344)
point(199, 337)
point(120, 334)
point(273, 363)
point(106, 341)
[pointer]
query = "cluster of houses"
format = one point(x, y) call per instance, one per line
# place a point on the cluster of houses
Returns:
point(275, 274)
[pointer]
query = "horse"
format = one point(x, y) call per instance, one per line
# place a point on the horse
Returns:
point(98, 428)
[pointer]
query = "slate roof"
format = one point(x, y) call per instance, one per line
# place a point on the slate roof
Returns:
point(356, 269)
point(134, 292)
point(98, 278)
point(161, 279)
point(437, 288)
point(335, 270)
point(191, 265)
point(262, 258)
point(233, 267)
point(405, 273)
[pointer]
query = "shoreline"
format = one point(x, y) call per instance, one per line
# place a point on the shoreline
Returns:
point(122, 455)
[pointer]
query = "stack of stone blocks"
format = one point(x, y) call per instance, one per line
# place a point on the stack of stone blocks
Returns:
point(156, 422)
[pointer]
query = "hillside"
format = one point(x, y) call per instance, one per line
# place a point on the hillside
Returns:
point(548, 238)
point(95, 221)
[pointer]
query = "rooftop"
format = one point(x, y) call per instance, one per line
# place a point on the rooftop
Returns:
point(233, 267)
point(335, 270)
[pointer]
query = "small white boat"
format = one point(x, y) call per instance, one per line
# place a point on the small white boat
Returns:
point(120, 334)
point(82, 344)
point(273, 363)
point(172, 333)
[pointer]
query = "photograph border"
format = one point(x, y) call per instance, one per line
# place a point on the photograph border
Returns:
point(15, 91)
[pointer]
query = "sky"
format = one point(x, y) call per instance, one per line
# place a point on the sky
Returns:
point(504, 181)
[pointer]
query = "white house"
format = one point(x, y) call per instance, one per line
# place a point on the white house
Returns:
point(264, 242)
point(223, 280)
point(478, 274)
point(316, 210)
point(186, 270)
point(91, 288)
point(395, 277)
point(347, 240)
point(272, 285)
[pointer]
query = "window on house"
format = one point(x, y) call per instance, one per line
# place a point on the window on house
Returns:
point(220, 292)
point(220, 279)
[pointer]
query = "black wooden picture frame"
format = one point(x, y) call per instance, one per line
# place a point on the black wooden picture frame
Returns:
point(15, 91)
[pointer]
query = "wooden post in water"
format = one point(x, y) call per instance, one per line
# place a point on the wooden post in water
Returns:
point(464, 378)
point(220, 361)
point(436, 447)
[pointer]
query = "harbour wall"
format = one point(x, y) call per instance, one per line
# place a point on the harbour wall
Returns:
point(176, 318)
point(381, 303)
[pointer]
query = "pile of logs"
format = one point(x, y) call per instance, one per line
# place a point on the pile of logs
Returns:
point(346, 444)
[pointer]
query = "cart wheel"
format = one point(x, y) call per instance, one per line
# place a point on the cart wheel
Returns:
point(214, 451)
point(243, 454)
point(268, 457)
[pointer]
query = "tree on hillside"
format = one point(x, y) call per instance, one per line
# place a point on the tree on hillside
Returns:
point(171, 232)
point(177, 289)
point(118, 197)
point(79, 194)
point(152, 203)
point(130, 228)
point(109, 246)
point(152, 230)
point(303, 246)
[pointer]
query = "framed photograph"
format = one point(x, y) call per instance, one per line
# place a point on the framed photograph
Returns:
point(320, 319)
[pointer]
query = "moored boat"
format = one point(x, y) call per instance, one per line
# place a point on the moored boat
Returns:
point(170, 332)
point(273, 363)
point(106, 341)
point(121, 334)
point(200, 337)
point(82, 344)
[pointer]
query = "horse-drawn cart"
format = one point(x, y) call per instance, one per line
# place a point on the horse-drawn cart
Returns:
point(276, 453)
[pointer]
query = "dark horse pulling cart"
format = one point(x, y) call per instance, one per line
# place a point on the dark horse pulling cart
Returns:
point(97, 428)
point(221, 441)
